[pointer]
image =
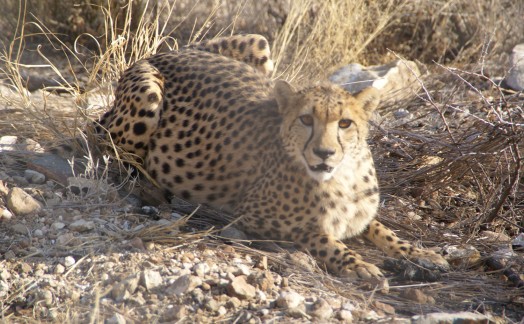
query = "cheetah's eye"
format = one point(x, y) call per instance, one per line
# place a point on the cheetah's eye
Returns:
point(306, 120)
point(345, 123)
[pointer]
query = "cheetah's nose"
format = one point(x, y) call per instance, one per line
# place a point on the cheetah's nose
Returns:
point(323, 153)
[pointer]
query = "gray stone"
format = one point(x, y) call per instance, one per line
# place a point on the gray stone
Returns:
point(115, 319)
point(515, 78)
point(45, 297)
point(21, 203)
point(150, 279)
point(289, 299)
point(53, 167)
point(57, 226)
point(82, 225)
point(241, 289)
point(20, 229)
point(38, 233)
point(211, 304)
point(449, 318)
point(183, 285)
point(243, 269)
point(321, 309)
point(20, 181)
point(174, 313)
point(396, 80)
point(34, 177)
point(201, 269)
point(124, 289)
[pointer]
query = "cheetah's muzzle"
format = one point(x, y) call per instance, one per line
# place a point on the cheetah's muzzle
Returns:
point(321, 168)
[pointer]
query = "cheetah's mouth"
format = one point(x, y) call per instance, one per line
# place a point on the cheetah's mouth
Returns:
point(322, 167)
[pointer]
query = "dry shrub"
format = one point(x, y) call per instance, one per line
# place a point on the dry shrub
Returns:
point(458, 157)
point(320, 35)
point(447, 31)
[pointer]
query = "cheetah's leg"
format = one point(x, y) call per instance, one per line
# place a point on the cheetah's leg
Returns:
point(337, 257)
point(387, 241)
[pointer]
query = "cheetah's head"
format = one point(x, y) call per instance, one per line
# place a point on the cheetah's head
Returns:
point(324, 126)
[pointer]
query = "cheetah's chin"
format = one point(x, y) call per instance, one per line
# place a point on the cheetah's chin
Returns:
point(321, 168)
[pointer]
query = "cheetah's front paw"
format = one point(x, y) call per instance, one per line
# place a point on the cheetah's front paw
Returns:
point(362, 270)
point(424, 265)
point(430, 260)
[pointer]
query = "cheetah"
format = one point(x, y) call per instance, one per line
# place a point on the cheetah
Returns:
point(290, 165)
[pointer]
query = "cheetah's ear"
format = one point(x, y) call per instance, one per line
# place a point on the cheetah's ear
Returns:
point(283, 92)
point(369, 99)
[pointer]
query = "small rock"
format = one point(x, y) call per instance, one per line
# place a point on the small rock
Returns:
point(123, 290)
point(417, 295)
point(38, 233)
point(449, 318)
point(262, 280)
point(345, 315)
point(59, 269)
point(45, 296)
point(515, 78)
point(262, 263)
point(321, 309)
point(57, 226)
point(21, 203)
point(518, 242)
point(24, 268)
point(20, 181)
point(222, 311)
point(261, 296)
point(201, 269)
point(233, 303)
point(20, 229)
point(243, 270)
point(264, 312)
point(174, 313)
point(211, 305)
point(150, 279)
point(241, 289)
point(385, 308)
point(115, 319)
point(69, 261)
point(401, 113)
point(4, 274)
point(65, 239)
point(289, 299)
point(34, 177)
point(5, 214)
point(82, 225)
point(184, 284)
point(392, 79)
point(464, 255)
point(8, 143)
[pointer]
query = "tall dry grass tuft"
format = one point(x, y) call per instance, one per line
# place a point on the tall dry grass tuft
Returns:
point(319, 36)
